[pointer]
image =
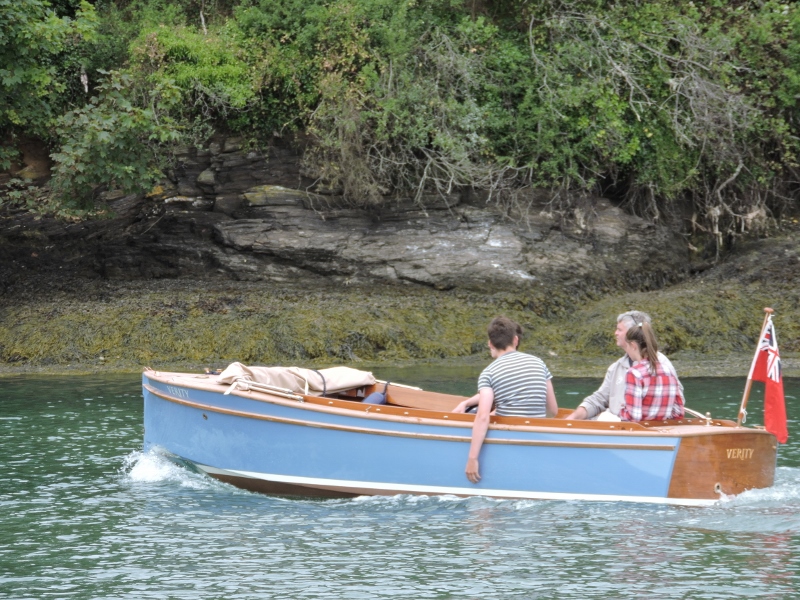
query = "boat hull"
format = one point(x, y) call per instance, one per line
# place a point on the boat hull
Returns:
point(283, 446)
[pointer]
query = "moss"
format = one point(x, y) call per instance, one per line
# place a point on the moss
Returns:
point(171, 323)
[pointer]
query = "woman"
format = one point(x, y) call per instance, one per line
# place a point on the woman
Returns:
point(652, 393)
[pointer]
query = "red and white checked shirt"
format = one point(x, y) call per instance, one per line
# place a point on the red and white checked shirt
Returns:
point(651, 397)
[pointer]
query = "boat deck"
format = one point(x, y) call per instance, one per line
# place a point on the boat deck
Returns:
point(408, 403)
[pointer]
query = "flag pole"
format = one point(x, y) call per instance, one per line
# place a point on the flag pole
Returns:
point(749, 384)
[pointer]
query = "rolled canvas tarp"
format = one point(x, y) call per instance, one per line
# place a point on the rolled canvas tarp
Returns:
point(297, 379)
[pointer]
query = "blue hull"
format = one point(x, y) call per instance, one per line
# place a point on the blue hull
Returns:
point(285, 446)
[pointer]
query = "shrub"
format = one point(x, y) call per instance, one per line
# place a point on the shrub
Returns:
point(114, 140)
point(32, 36)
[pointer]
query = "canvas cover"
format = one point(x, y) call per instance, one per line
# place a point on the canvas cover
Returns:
point(297, 379)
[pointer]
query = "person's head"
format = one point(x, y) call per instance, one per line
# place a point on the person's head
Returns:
point(642, 343)
point(625, 321)
point(502, 332)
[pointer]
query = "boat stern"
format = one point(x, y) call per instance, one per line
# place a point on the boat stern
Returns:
point(724, 464)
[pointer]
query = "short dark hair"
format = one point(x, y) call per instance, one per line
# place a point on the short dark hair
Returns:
point(502, 331)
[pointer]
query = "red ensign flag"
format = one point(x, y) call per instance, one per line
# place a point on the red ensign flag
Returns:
point(766, 367)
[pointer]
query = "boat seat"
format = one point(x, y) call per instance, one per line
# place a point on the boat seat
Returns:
point(399, 396)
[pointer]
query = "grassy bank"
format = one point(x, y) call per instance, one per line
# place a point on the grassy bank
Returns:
point(708, 328)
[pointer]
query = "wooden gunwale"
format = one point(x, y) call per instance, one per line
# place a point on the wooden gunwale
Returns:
point(423, 417)
point(405, 434)
point(543, 424)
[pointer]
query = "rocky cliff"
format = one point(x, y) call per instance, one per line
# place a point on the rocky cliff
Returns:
point(239, 257)
point(231, 214)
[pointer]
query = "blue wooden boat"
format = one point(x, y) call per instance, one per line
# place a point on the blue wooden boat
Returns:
point(308, 442)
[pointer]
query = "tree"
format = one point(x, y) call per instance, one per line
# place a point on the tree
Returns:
point(32, 35)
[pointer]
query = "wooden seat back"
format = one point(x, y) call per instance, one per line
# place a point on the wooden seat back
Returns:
point(399, 396)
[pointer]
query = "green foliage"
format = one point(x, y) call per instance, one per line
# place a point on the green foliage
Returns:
point(412, 119)
point(210, 70)
point(19, 193)
point(207, 64)
point(31, 38)
point(114, 141)
point(667, 106)
point(641, 100)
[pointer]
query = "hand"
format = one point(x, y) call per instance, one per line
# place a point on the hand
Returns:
point(472, 470)
point(461, 408)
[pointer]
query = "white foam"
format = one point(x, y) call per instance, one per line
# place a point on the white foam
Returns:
point(786, 490)
point(148, 467)
point(151, 467)
point(411, 500)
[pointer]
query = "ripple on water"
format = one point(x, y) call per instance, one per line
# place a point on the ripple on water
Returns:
point(86, 514)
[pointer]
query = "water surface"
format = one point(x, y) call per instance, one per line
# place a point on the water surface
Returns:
point(84, 514)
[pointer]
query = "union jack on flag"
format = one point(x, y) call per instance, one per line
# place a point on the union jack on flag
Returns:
point(769, 344)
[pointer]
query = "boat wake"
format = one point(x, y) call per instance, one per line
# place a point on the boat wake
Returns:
point(775, 509)
point(786, 491)
point(152, 467)
point(768, 511)
point(410, 500)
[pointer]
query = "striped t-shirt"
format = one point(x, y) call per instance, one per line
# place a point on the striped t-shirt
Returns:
point(519, 383)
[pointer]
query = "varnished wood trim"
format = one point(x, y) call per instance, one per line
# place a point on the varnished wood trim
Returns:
point(704, 469)
point(410, 398)
point(404, 434)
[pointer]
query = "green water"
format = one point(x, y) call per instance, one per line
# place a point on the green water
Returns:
point(84, 514)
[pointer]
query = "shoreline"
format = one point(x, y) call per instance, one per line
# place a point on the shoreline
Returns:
point(571, 366)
